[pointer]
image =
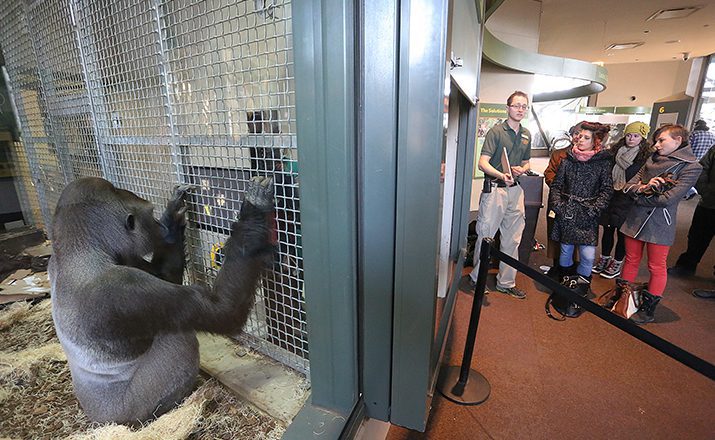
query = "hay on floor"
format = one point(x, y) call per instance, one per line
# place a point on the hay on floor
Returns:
point(36, 399)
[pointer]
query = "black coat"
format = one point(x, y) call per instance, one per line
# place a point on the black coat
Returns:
point(579, 194)
point(617, 211)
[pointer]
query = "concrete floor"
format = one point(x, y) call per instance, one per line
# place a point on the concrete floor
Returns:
point(583, 378)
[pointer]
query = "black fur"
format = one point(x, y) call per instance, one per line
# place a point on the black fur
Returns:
point(128, 325)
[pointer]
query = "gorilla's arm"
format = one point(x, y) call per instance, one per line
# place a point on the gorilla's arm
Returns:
point(169, 260)
point(166, 307)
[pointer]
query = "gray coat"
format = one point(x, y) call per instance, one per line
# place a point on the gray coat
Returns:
point(652, 218)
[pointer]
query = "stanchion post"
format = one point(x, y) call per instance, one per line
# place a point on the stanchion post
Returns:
point(462, 384)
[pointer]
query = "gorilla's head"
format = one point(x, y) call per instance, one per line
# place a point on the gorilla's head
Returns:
point(93, 215)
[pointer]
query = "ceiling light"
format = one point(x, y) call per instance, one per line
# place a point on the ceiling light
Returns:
point(672, 41)
point(622, 46)
point(667, 14)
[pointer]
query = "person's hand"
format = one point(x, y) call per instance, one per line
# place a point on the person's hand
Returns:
point(656, 182)
point(508, 179)
point(517, 171)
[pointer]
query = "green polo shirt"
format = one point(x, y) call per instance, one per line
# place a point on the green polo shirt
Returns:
point(500, 137)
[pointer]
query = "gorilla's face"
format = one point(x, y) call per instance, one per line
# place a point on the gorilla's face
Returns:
point(142, 228)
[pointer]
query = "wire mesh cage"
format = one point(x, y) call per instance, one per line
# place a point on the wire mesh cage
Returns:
point(25, 188)
point(152, 93)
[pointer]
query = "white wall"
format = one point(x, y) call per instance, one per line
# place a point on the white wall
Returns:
point(648, 82)
point(516, 23)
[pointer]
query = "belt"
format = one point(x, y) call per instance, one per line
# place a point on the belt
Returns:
point(502, 184)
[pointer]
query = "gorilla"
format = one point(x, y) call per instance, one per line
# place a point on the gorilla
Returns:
point(127, 324)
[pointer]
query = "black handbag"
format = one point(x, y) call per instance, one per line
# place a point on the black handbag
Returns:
point(564, 307)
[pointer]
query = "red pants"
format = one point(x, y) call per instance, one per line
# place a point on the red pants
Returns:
point(657, 263)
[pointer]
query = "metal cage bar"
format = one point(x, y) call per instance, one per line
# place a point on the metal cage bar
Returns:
point(151, 93)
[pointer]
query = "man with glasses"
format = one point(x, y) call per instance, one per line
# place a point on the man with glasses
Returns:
point(501, 205)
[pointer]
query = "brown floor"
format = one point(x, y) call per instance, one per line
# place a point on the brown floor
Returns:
point(583, 378)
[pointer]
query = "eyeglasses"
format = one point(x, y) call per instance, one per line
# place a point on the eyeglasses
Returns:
point(519, 106)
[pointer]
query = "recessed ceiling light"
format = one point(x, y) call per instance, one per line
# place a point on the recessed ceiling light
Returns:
point(646, 31)
point(672, 41)
point(667, 14)
point(622, 46)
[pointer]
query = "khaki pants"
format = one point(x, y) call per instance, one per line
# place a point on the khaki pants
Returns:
point(502, 210)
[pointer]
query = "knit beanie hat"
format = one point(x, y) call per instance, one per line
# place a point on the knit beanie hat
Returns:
point(637, 128)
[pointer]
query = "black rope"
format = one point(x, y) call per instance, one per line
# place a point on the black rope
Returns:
point(669, 349)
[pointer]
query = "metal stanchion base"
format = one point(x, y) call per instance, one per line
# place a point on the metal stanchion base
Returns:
point(474, 392)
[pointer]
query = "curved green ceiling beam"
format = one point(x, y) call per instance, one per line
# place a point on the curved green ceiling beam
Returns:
point(514, 58)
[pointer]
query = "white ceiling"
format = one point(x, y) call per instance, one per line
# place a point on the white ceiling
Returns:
point(582, 29)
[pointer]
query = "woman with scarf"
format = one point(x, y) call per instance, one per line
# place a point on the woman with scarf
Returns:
point(579, 194)
point(656, 190)
point(552, 248)
point(629, 153)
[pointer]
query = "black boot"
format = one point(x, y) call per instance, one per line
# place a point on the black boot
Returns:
point(646, 312)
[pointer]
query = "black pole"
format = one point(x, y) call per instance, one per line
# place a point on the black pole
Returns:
point(484, 257)
point(464, 385)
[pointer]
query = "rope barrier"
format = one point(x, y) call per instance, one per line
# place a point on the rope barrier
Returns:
point(455, 383)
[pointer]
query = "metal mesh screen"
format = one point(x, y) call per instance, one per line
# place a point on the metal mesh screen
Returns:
point(27, 93)
point(152, 93)
point(27, 194)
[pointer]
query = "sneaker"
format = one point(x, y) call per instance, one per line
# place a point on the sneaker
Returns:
point(513, 291)
point(601, 265)
point(613, 270)
point(704, 293)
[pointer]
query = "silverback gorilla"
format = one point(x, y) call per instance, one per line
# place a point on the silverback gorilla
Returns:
point(128, 325)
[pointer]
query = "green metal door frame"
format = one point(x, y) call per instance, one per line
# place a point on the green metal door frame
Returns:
point(422, 72)
point(323, 33)
point(370, 90)
point(377, 182)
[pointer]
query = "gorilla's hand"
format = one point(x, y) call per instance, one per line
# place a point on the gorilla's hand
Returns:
point(259, 192)
point(173, 221)
point(251, 233)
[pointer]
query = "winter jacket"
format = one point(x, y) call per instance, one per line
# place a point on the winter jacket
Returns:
point(619, 207)
point(579, 194)
point(706, 182)
point(652, 218)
